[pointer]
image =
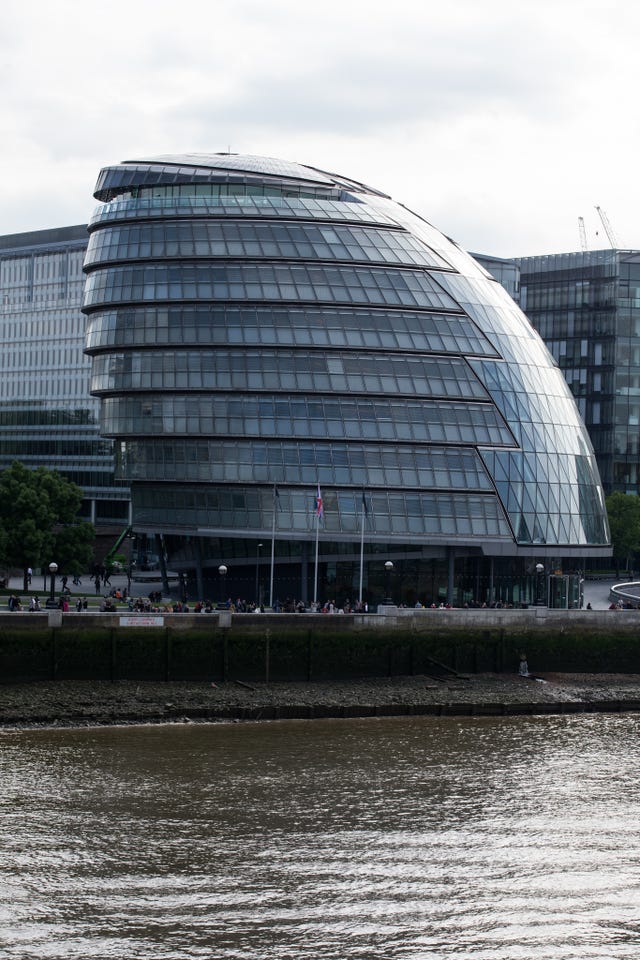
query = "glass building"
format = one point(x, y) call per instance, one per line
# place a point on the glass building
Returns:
point(260, 329)
point(586, 306)
point(506, 272)
point(47, 416)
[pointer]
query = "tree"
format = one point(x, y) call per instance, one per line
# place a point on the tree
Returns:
point(624, 523)
point(73, 550)
point(39, 520)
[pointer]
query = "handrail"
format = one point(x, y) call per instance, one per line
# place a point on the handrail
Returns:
point(622, 591)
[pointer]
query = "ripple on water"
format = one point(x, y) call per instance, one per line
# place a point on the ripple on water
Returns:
point(391, 839)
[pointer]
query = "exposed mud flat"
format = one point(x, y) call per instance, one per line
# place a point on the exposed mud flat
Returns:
point(88, 703)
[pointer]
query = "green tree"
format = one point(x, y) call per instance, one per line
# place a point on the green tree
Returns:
point(624, 522)
point(39, 520)
point(73, 550)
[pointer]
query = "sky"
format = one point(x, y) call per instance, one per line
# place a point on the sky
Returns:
point(502, 122)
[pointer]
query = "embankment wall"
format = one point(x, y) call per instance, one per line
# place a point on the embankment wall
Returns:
point(263, 647)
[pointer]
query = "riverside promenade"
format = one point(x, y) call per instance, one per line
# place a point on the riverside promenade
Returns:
point(596, 592)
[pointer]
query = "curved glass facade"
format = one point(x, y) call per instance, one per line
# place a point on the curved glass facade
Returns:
point(260, 327)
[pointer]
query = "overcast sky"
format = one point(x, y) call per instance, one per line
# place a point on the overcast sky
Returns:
point(499, 121)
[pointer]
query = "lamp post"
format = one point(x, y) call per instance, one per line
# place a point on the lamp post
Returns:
point(131, 538)
point(539, 572)
point(257, 594)
point(388, 567)
point(53, 569)
point(222, 570)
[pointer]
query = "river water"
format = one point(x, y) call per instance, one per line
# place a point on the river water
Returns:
point(376, 839)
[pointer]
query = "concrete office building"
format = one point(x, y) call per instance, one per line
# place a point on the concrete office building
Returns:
point(47, 416)
point(259, 328)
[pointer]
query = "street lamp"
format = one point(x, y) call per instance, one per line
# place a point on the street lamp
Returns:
point(257, 575)
point(131, 538)
point(222, 570)
point(53, 569)
point(540, 571)
point(388, 567)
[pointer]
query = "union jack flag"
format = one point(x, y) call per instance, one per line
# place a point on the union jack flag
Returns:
point(319, 507)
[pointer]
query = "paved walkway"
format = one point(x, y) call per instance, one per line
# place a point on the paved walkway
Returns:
point(86, 588)
point(596, 592)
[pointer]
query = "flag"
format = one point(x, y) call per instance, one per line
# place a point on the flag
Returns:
point(319, 508)
point(364, 503)
point(276, 497)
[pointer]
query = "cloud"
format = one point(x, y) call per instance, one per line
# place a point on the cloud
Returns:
point(499, 122)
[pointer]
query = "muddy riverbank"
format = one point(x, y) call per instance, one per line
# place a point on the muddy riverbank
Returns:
point(91, 703)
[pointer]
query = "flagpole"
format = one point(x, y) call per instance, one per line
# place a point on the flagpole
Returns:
point(273, 546)
point(361, 551)
point(319, 514)
point(315, 578)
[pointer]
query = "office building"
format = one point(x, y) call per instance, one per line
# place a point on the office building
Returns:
point(586, 306)
point(48, 418)
point(506, 272)
point(260, 329)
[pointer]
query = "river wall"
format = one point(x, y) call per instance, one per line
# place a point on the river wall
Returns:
point(313, 647)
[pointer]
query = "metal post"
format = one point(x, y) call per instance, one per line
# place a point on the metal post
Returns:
point(130, 564)
point(388, 567)
point(222, 570)
point(53, 569)
point(257, 593)
point(540, 584)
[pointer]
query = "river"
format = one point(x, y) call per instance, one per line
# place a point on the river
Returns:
point(384, 839)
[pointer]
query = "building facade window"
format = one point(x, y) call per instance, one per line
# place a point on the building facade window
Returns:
point(47, 414)
point(596, 311)
point(256, 324)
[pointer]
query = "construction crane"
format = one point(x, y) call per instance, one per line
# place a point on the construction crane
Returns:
point(608, 229)
point(583, 235)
